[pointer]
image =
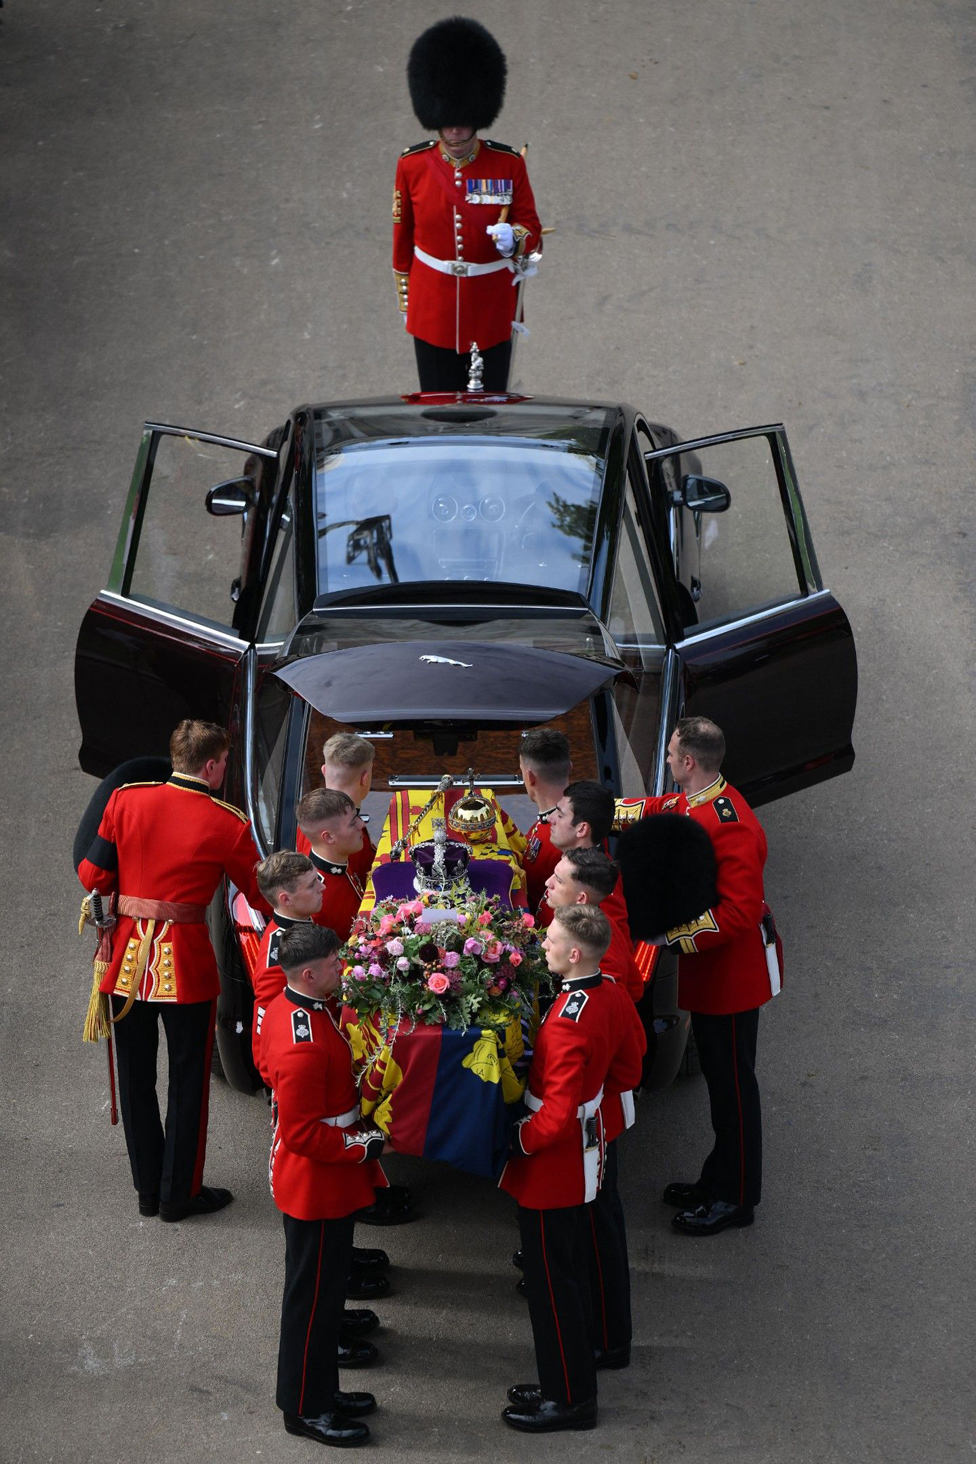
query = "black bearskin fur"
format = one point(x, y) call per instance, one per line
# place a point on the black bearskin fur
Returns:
point(456, 75)
point(667, 864)
point(136, 770)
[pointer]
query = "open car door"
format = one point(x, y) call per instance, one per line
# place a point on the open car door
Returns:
point(165, 639)
point(757, 643)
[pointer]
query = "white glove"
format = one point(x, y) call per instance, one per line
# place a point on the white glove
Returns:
point(504, 237)
point(403, 317)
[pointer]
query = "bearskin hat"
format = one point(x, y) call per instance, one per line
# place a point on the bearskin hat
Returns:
point(136, 770)
point(667, 864)
point(456, 75)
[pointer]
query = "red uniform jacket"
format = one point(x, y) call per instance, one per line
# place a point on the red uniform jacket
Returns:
point(540, 859)
point(576, 1042)
point(432, 212)
point(626, 1065)
point(342, 896)
point(619, 960)
point(168, 841)
point(269, 978)
point(318, 1170)
point(360, 864)
point(722, 966)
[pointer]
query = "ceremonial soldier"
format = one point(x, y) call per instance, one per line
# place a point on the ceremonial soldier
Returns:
point(293, 887)
point(347, 764)
point(164, 848)
point(464, 218)
point(545, 765)
point(333, 826)
point(582, 819)
point(727, 970)
point(322, 1169)
point(555, 1172)
point(587, 877)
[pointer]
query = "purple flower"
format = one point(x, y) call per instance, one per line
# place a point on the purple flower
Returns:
point(403, 964)
point(359, 973)
point(473, 947)
point(450, 959)
point(395, 947)
point(375, 970)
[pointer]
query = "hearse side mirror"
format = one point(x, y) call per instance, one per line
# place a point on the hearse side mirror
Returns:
point(702, 495)
point(234, 496)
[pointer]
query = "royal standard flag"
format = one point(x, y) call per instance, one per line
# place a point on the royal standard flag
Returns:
point(443, 1094)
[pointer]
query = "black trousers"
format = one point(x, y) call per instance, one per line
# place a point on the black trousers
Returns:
point(727, 1050)
point(167, 1163)
point(558, 1293)
point(441, 369)
point(609, 1268)
point(317, 1258)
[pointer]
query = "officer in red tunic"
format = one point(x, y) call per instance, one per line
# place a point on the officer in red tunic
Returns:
point(582, 819)
point(555, 1173)
point(164, 848)
point(587, 877)
point(347, 764)
point(545, 765)
point(293, 887)
point(322, 1169)
point(727, 970)
point(464, 218)
point(333, 826)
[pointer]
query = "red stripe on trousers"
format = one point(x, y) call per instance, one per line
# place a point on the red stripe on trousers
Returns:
point(555, 1314)
point(311, 1317)
point(204, 1107)
point(738, 1099)
point(599, 1272)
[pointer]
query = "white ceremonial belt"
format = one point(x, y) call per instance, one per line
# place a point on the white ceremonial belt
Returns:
point(772, 964)
point(344, 1120)
point(585, 1110)
point(630, 1111)
point(460, 267)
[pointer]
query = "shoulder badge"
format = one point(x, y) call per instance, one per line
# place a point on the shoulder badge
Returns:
point(574, 1004)
point(273, 945)
point(418, 147)
point(500, 146)
point(301, 1026)
point(231, 809)
point(725, 810)
point(670, 803)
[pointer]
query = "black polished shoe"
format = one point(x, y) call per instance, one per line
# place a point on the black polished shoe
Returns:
point(607, 1359)
point(545, 1416)
point(357, 1322)
point(711, 1218)
point(392, 1206)
point(356, 1354)
point(327, 1428)
point(367, 1285)
point(685, 1196)
point(369, 1258)
point(517, 1260)
point(355, 1405)
point(525, 1394)
point(206, 1202)
point(520, 1287)
point(148, 1205)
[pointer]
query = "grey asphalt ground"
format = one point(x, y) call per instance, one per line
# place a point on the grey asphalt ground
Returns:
point(765, 211)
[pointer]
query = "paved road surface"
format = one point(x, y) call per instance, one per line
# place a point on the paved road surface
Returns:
point(765, 211)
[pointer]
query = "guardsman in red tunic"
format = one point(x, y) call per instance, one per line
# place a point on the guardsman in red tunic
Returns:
point(464, 218)
point(347, 764)
point(582, 819)
point(292, 886)
point(545, 765)
point(588, 877)
point(164, 849)
point(333, 826)
point(322, 1170)
point(554, 1173)
point(727, 970)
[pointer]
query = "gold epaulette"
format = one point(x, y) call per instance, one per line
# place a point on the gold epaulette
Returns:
point(149, 783)
point(231, 808)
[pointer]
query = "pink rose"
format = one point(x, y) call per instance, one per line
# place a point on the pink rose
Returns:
point(438, 983)
point(375, 970)
point(484, 918)
point(359, 973)
point(473, 947)
point(528, 920)
point(415, 907)
point(395, 947)
point(450, 959)
point(403, 964)
point(387, 924)
point(515, 959)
